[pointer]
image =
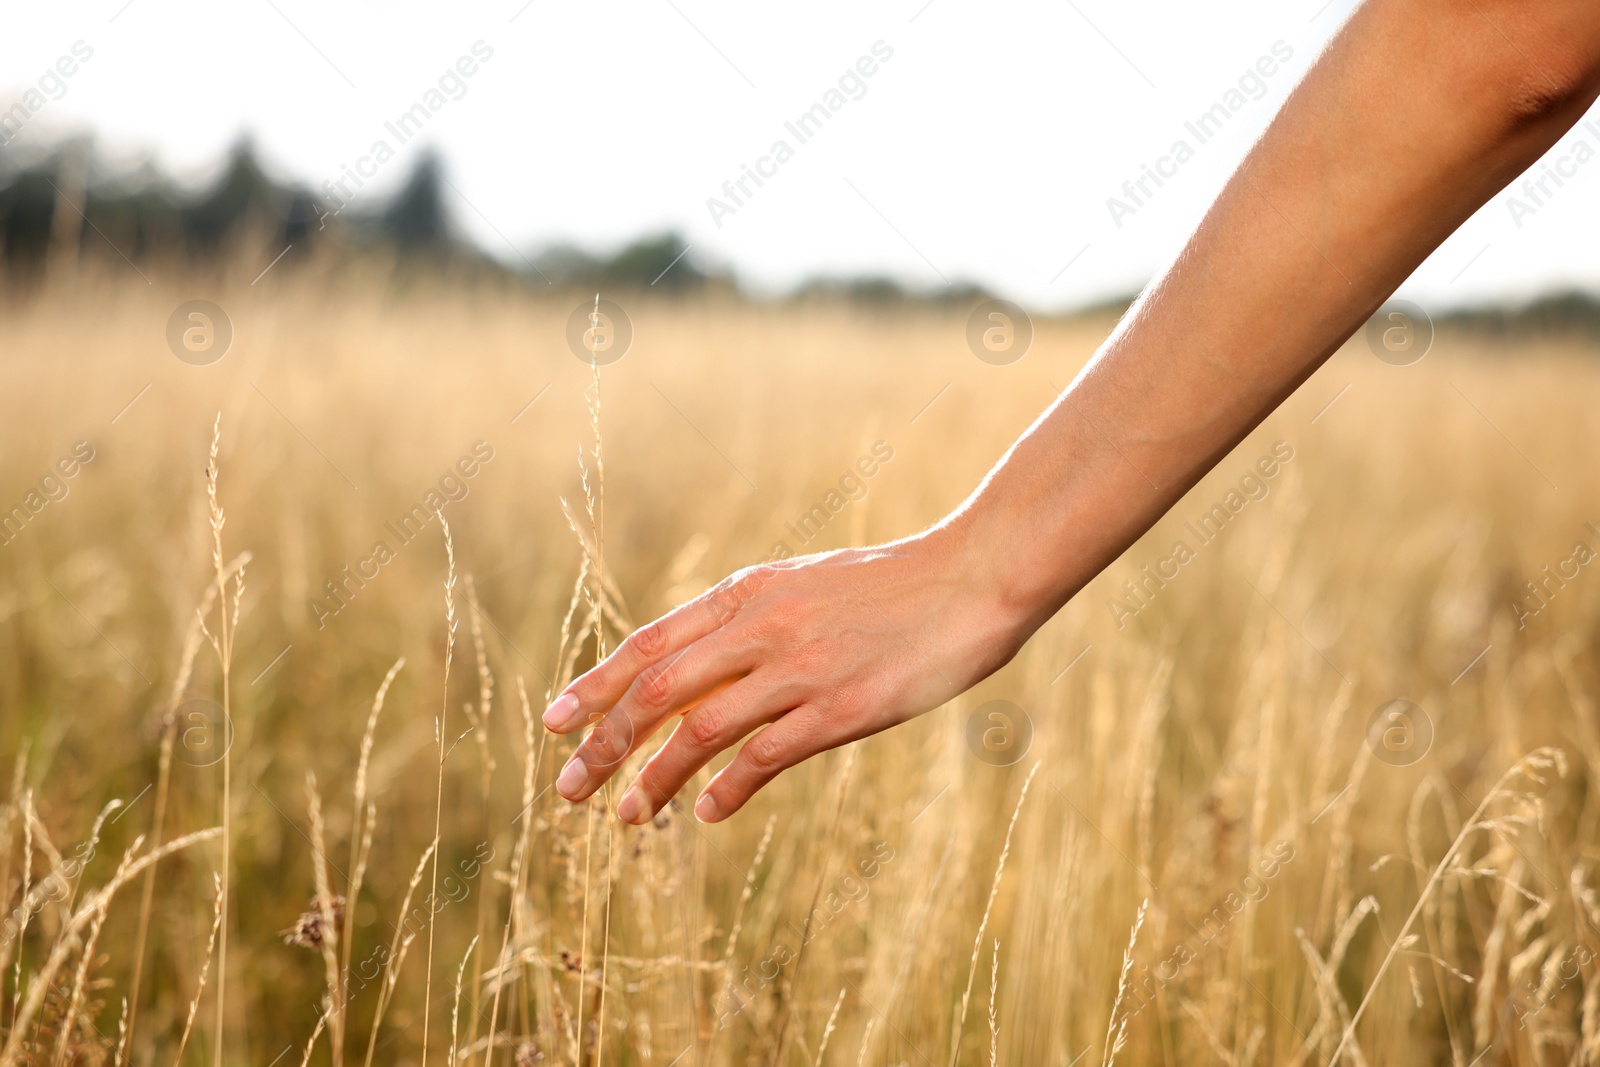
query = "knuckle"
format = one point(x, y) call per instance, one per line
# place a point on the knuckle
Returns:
point(600, 758)
point(592, 752)
point(651, 641)
point(609, 741)
point(765, 752)
point(779, 618)
point(656, 686)
point(734, 592)
point(705, 727)
point(754, 579)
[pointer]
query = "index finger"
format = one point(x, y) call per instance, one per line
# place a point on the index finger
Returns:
point(590, 696)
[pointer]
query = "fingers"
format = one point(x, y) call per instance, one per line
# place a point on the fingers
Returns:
point(592, 695)
point(660, 690)
point(715, 725)
point(793, 739)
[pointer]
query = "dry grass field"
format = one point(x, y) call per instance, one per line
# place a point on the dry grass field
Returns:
point(1203, 855)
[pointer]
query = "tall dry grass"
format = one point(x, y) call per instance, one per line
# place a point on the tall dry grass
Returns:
point(370, 869)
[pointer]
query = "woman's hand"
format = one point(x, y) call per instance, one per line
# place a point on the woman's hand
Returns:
point(820, 650)
point(1307, 237)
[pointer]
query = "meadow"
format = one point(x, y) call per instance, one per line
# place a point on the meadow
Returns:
point(240, 828)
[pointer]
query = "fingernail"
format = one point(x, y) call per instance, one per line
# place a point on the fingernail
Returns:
point(631, 808)
point(706, 810)
point(562, 712)
point(572, 776)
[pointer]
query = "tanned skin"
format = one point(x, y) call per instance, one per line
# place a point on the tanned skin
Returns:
point(1415, 115)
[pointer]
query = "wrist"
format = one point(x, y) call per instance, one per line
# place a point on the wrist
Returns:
point(989, 559)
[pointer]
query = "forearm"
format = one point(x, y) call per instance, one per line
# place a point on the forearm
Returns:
point(1374, 160)
point(1419, 112)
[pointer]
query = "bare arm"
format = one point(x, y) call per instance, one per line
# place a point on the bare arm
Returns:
point(1418, 112)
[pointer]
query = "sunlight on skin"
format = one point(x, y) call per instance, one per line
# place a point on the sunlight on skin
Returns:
point(1333, 208)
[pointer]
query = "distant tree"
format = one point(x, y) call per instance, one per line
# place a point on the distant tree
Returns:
point(416, 220)
point(661, 262)
point(243, 193)
point(27, 210)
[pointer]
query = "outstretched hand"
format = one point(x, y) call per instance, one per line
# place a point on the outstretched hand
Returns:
point(820, 650)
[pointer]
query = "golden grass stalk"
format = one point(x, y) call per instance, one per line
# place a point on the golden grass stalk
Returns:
point(994, 1011)
point(866, 1042)
point(69, 1018)
point(827, 1028)
point(363, 820)
point(316, 1032)
point(1117, 1030)
point(744, 899)
point(169, 736)
point(205, 967)
point(583, 935)
point(455, 1011)
point(595, 498)
point(222, 643)
point(983, 925)
point(616, 608)
point(518, 861)
point(793, 981)
point(399, 946)
point(438, 802)
point(1532, 765)
point(480, 717)
point(68, 939)
point(7, 830)
point(330, 942)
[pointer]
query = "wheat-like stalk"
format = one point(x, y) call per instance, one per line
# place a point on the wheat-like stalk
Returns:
point(845, 776)
point(1117, 1030)
point(440, 730)
point(827, 1029)
point(205, 967)
point(983, 924)
point(69, 939)
point(85, 960)
point(455, 1011)
point(994, 1010)
point(363, 821)
point(399, 945)
point(169, 736)
point(1532, 765)
point(480, 716)
point(316, 1032)
point(744, 898)
point(329, 943)
point(222, 643)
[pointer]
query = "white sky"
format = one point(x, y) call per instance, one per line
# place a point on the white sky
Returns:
point(983, 150)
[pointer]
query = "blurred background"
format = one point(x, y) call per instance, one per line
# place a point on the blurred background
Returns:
point(280, 285)
point(953, 150)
